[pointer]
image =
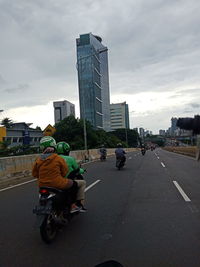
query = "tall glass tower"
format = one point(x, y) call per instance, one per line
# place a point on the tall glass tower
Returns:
point(93, 80)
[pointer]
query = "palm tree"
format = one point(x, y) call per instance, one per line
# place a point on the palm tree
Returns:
point(6, 122)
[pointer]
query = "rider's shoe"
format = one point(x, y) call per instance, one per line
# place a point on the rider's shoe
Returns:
point(74, 208)
point(83, 209)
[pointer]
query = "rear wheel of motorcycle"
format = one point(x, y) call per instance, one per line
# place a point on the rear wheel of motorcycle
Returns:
point(48, 229)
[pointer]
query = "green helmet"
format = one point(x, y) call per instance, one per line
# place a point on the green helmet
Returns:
point(63, 147)
point(47, 141)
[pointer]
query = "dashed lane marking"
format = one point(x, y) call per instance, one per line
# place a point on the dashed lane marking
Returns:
point(183, 194)
point(93, 184)
point(163, 164)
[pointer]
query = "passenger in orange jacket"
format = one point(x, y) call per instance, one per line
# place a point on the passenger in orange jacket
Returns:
point(50, 169)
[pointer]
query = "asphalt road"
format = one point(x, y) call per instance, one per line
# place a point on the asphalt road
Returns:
point(146, 214)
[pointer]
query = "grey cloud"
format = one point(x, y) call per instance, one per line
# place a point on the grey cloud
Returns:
point(195, 105)
point(187, 111)
point(2, 81)
point(19, 88)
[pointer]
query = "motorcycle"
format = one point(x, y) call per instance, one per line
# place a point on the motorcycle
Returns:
point(53, 212)
point(143, 151)
point(103, 157)
point(120, 162)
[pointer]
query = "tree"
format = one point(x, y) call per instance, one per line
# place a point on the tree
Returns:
point(6, 122)
point(127, 135)
point(70, 130)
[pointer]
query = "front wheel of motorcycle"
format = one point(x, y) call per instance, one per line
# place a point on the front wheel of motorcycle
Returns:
point(48, 229)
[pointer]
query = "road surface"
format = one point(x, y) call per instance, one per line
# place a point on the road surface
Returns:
point(146, 214)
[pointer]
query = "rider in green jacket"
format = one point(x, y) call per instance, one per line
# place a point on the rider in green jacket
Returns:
point(63, 149)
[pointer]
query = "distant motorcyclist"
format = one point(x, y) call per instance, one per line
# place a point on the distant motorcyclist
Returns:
point(143, 149)
point(120, 153)
point(103, 152)
point(63, 149)
point(50, 169)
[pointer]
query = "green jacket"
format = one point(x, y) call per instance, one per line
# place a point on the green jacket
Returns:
point(72, 164)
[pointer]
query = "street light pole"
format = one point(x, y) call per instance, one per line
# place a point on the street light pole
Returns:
point(84, 120)
point(126, 136)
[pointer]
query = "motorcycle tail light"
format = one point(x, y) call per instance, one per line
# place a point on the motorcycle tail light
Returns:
point(44, 191)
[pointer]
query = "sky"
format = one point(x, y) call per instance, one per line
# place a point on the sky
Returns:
point(153, 50)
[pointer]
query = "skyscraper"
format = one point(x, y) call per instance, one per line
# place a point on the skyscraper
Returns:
point(173, 125)
point(93, 79)
point(63, 109)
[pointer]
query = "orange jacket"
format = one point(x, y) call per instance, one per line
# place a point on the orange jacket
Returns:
point(50, 171)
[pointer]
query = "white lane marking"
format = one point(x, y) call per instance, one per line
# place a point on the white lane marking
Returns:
point(163, 164)
point(158, 158)
point(10, 187)
point(87, 188)
point(130, 158)
point(183, 194)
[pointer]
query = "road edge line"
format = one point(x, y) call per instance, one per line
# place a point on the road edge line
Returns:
point(16, 185)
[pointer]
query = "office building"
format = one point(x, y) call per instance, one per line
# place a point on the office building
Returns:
point(93, 80)
point(63, 109)
point(21, 133)
point(119, 116)
point(162, 132)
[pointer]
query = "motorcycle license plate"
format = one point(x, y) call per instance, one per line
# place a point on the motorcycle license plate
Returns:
point(41, 210)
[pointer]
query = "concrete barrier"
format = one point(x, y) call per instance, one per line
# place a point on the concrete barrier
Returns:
point(17, 169)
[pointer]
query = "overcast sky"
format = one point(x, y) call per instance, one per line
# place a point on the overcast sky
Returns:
point(154, 56)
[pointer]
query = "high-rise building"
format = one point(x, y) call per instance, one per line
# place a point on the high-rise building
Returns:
point(141, 132)
point(173, 125)
point(93, 79)
point(63, 109)
point(119, 116)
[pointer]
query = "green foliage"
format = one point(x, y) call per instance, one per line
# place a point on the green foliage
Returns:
point(18, 150)
point(127, 135)
point(156, 139)
point(4, 145)
point(70, 130)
